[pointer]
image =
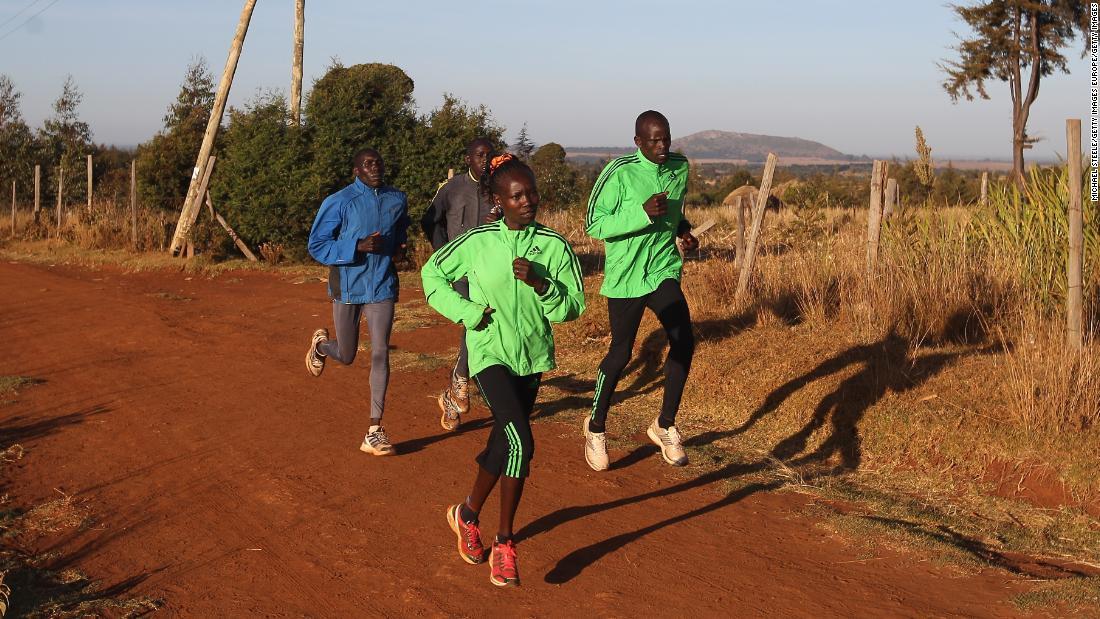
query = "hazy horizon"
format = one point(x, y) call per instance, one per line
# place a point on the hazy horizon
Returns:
point(831, 72)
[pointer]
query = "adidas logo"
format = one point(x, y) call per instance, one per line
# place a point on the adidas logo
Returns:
point(534, 251)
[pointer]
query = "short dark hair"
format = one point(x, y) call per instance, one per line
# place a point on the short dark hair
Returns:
point(647, 117)
point(474, 143)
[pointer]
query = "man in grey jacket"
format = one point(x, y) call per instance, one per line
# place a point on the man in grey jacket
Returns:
point(458, 206)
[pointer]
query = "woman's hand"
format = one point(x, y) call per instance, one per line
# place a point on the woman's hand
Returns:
point(522, 269)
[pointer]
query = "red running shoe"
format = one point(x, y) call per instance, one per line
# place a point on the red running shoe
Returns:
point(502, 563)
point(470, 547)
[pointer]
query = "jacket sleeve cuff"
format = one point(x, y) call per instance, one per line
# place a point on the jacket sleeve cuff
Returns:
point(471, 315)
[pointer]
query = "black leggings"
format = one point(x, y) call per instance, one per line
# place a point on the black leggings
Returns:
point(625, 315)
point(511, 399)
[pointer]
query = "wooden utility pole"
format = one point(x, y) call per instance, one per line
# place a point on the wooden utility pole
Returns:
point(60, 187)
point(296, 70)
point(1075, 313)
point(757, 221)
point(874, 214)
point(133, 204)
point(89, 183)
point(37, 191)
point(891, 198)
point(193, 200)
point(984, 199)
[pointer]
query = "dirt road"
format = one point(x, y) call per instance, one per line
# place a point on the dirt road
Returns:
point(227, 481)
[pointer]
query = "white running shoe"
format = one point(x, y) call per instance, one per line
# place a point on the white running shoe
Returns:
point(315, 361)
point(672, 449)
point(595, 448)
point(377, 443)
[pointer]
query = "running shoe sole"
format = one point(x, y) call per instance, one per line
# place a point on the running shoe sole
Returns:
point(661, 447)
point(453, 521)
point(366, 448)
point(312, 349)
point(443, 415)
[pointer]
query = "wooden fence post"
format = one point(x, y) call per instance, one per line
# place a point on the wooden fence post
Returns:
point(984, 199)
point(230, 231)
point(133, 204)
point(89, 183)
point(60, 187)
point(193, 200)
point(1075, 313)
point(450, 173)
point(739, 259)
point(874, 215)
point(891, 198)
point(37, 191)
point(13, 209)
point(757, 221)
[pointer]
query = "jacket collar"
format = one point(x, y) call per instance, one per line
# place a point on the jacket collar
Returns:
point(525, 232)
point(646, 162)
point(364, 188)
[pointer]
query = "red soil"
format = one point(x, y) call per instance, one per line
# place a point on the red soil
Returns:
point(227, 481)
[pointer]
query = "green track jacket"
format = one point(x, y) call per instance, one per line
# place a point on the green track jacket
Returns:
point(641, 253)
point(519, 335)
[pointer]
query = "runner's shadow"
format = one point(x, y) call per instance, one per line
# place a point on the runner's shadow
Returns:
point(414, 445)
point(20, 428)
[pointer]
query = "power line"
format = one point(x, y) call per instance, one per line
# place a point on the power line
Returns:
point(20, 12)
point(26, 21)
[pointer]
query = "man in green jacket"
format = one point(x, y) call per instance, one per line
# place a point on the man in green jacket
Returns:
point(636, 209)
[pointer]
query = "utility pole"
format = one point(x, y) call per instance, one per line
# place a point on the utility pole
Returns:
point(193, 201)
point(296, 69)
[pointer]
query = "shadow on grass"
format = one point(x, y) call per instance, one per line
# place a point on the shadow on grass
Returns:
point(882, 367)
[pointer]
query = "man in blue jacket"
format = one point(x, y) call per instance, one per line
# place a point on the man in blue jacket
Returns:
point(358, 232)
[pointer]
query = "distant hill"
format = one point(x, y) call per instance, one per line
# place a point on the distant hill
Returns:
point(732, 146)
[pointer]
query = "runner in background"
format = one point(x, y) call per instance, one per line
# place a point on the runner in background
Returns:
point(357, 232)
point(636, 209)
point(458, 206)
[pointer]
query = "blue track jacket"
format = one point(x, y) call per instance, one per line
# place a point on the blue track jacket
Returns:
point(345, 217)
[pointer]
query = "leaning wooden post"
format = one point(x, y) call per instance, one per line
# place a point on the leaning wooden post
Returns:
point(891, 198)
point(193, 200)
point(739, 259)
point(984, 199)
point(450, 173)
point(296, 68)
point(37, 192)
point(89, 183)
point(60, 187)
point(133, 204)
point(874, 215)
point(13, 209)
point(1075, 314)
point(757, 221)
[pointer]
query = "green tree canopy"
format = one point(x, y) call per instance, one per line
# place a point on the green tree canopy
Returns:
point(557, 180)
point(17, 144)
point(66, 140)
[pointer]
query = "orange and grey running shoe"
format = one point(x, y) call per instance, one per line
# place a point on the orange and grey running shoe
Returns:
point(470, 547)
point(315, 361)
point(503, 570)
point(460, 390)
point(452, 414)
point(376, 443)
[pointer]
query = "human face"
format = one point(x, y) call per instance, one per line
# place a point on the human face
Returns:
point(654, 141)
point(370, 169)
point(478, 158)
point(517, 195)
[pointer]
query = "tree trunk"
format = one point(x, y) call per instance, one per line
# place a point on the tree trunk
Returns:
point(296, 68)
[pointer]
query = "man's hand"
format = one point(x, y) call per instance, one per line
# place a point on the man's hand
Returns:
point(688, 242)
point(656, 205)
point(521, 268)
point(372, 244)
point(486, 318)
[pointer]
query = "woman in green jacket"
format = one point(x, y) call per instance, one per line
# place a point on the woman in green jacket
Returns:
point(523, 277)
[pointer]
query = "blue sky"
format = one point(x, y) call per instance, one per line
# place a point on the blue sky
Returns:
point(853, 74)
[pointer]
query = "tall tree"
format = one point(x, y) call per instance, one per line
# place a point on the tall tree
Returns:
point(523, 146)
point(1013, 38)
point(557, 180)
point(17, 146)
point(66, 139)
point(165, 163)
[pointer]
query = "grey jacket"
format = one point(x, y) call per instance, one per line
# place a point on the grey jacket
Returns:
point(456, 207)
